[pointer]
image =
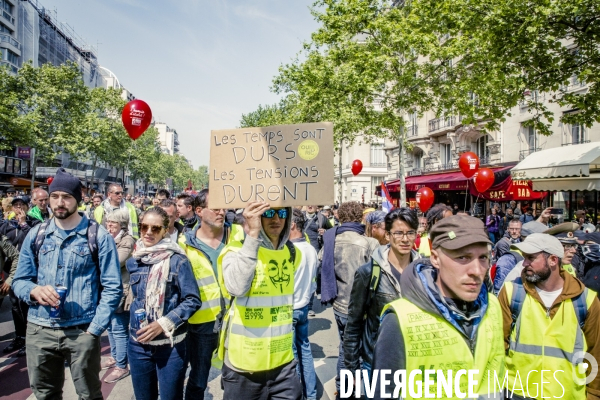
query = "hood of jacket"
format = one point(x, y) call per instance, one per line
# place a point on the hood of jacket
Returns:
point(380, 255)
point(283, 237)
point(418, 285)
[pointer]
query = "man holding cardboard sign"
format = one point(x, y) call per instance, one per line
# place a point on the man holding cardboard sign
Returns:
point(256, 340)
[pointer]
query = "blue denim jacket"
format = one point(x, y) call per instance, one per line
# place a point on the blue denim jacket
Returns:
point(93, 292)
point(182, 296)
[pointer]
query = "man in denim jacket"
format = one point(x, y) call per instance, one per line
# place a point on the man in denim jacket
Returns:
point(93, 294)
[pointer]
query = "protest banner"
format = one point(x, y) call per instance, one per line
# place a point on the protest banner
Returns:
point(285, 165)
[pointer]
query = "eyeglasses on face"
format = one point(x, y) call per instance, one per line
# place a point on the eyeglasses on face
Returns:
point(569, 246)
point(155, 229)
point(281, 213)
point(399, 235)
point(117, 193)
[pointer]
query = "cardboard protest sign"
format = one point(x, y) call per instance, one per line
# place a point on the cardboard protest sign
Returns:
point(285, 165)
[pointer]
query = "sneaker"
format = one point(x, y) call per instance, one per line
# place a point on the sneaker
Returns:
point(311, 313)
point(116, 375)
point(108, 363)
point(15, 345)
point(22, 352)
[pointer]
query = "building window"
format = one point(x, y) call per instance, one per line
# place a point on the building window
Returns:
point(577, 134)
point(4, 29)
point(378, 158)
point(483, 152)
point(418, 159)
point(375, 181)
point(531, 137)
point(5, 5)
point(10, 56)
point(446, 153)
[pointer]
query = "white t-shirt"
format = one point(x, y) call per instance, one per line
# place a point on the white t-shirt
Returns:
point(304, 278)
point(548, 298)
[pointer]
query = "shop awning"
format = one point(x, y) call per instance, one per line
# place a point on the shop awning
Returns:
point(509, 189)
point(445, 181)
point(573, 161)
point(591, 182)
point(22, 182)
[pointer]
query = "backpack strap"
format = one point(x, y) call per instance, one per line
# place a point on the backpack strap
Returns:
point(516, 302)
point(292, 250)
point(39, 240)
point(374, 281)
point(92, 239)
point(580, 306)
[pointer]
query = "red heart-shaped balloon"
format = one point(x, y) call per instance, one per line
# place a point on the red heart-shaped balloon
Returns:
point(483, 179)
point(136, 117)
point(468, 163)
point(425, 198)
point(356, 167)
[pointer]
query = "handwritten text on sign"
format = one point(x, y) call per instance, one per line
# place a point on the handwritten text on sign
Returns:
point(285, 165)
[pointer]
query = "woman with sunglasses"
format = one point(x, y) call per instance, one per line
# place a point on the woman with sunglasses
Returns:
point(164, 289)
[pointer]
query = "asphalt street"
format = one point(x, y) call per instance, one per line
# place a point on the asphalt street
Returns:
point(14, 384)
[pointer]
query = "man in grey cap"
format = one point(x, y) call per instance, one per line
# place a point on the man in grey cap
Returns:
point(444, 297)
point(505, 266)
point(550, 319)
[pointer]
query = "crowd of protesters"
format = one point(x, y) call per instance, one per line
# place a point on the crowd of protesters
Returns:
point(179, 285)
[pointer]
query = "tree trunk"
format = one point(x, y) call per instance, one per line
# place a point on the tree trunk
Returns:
point(93, 172)
point(401, 168)
point(340, 171)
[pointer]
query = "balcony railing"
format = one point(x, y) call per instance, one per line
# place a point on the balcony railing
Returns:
point(5, 37)
point(531, 96)
point(378, 164)
point(574, 84)
point(576, 142)
point(526, 152)
point(415, 172)
point(441, 167)
point(443, 122)
point(10, 65)
point(412, 130)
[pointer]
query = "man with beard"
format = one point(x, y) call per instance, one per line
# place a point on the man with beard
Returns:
point(72, 252)
point(187, 213)
point(549, 319)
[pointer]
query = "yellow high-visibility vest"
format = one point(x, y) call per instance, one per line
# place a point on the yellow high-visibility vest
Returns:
point(539, 343)
point(424, 247)
point(257, 332)
point(214, 298)
point(432, 343)
point(237, 233)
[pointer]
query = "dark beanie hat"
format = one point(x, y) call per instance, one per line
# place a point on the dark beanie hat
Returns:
point(65, 182)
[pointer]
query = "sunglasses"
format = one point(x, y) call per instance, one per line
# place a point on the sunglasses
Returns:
point(155, 229)
point(282, 213)
point(117, 193)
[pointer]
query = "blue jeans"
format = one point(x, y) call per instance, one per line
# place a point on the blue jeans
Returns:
point(306, 366)
point(201, 342)
point(152, 366)
point(118, 337)
point(492, 236)
point(341, 320)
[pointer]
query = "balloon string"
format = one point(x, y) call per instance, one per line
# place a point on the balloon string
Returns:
point(466, 195)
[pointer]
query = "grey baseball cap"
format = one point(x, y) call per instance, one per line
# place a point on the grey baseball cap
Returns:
point(537, 242)
point(533, 227)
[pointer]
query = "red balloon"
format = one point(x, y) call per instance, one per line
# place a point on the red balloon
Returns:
point(483, 179)
point(424, 198)
point(136, 117)
point(468, 163)
point(356, 167)
point(49, 180)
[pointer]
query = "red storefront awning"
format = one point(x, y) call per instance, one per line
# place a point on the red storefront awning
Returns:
point(508, 190)
point(504, 189)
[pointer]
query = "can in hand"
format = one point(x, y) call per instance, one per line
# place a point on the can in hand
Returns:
point(140, 317)
point(55, 311)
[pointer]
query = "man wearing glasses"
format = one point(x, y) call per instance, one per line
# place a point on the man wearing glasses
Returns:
point(366, 301)
point(113, 202)
point(256, 340)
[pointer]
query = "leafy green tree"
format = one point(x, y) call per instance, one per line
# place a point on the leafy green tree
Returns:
point(200, 177)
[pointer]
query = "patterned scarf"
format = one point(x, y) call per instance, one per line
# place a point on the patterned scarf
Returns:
point(159, 257)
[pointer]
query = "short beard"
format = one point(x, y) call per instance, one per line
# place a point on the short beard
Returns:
point(542, 276)
point(66, 215)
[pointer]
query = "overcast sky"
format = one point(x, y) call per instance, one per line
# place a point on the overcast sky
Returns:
point(199, 64)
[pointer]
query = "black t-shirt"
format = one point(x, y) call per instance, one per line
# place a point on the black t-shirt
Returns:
point(312, 226)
